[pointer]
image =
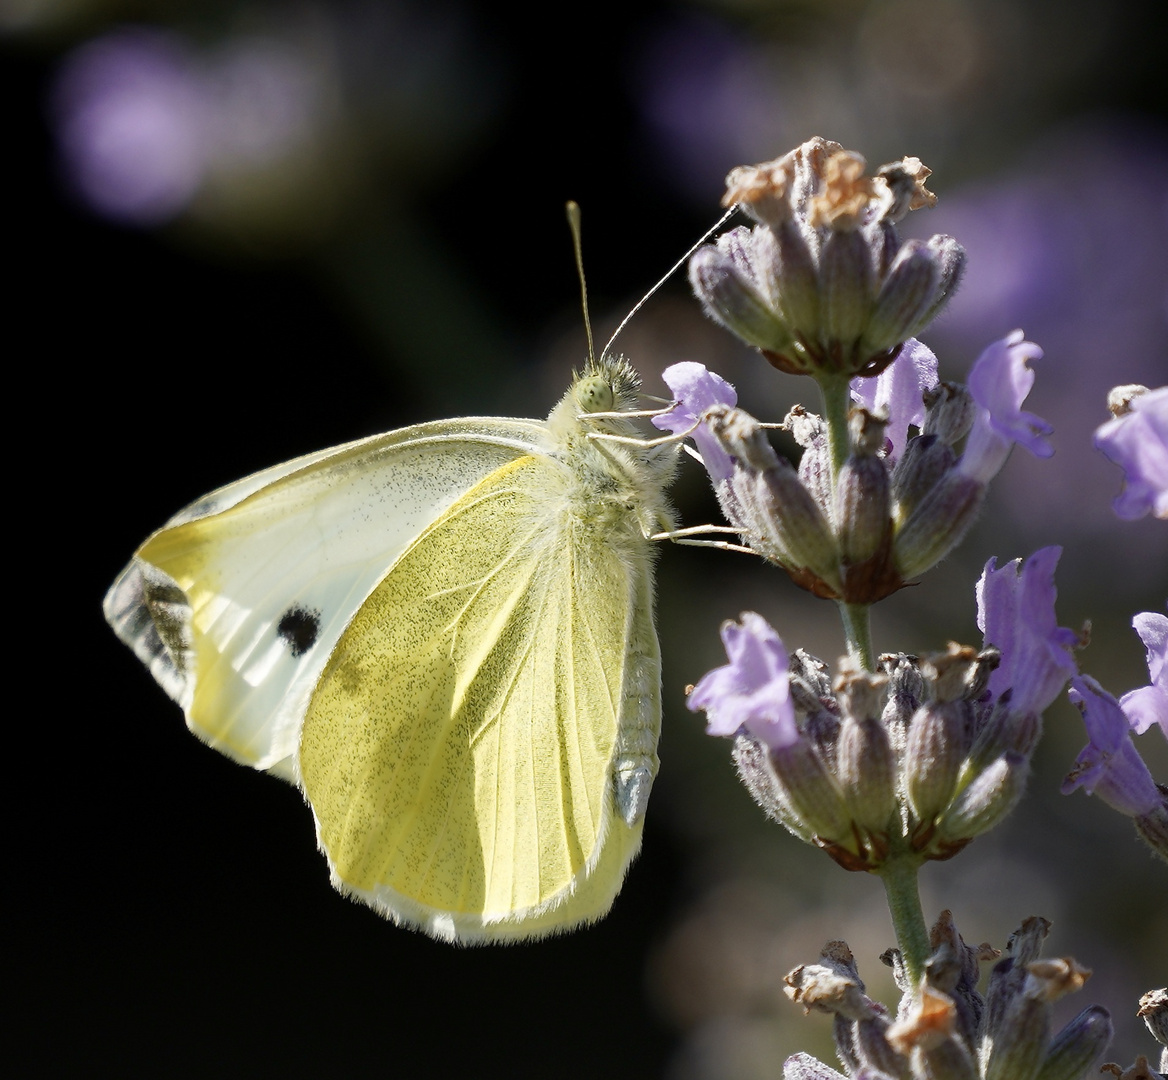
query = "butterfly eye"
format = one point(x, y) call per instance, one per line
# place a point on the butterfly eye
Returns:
point(594, 394)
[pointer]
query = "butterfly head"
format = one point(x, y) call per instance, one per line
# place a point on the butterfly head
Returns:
point(605, 385)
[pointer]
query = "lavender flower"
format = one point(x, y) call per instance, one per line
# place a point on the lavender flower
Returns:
point(1149, 704)
point(753, 690)
point(695, 388)
point(1015, 612)
point(1137, 441)
point(937, 503)
point(823, 284)
point(1109, 765)
point(897, 392)
point(999, 382)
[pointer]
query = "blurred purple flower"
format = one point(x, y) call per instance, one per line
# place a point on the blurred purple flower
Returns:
point(1149, 704)
point(143, 121)
point(1015, 612)
point(753, 690)
point(697, 85)
point(1035, 260)
point(897, 391)
point(999, 383)
point(695, 389)
point(1137, 442)
point(1109, 765)
point(132, 120)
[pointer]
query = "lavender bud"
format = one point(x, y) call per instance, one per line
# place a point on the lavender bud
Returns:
point(809, 431)
point(1025, 943)
point(1009, 974)
point(812, 792)
point(1077, 1049)
point(955, 969)
point(949, 411)
point(926, 1033)
point(822, 729)
point(832, 986)
point(846, 290)
point(906, 691)
point(885, 244)
point(905, 182)
point(782, 521)
point(814, 675)
point(949, 1060)
point(939, 735)
point(925, 461)
point(937, 744)
point(1153, 826)
point(905, 295)
point(937, 524)
point(761, 190)
point(765, 262)
point(731, 299)
point(1020, 1040)
point(986, 800)
point(863, 522)
point(798, 281)
point(873, 1052)
point(1006, 730)
point(866, 761)
point(1154, 1011)
point(950, 256)
point(758, 777)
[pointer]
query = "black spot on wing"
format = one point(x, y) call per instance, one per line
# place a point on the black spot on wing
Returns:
point(299, 627)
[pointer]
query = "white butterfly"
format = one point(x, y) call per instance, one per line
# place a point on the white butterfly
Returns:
point(444, 635)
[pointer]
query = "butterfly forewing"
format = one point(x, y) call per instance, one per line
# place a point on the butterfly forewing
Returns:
point(271, 574)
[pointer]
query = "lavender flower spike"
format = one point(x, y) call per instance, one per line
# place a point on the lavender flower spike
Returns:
point(897, 391)
point(695, 388)
point(999, 383)
point(753, 690)
point(1109, 765)
point(1149, 704)
point(1015, 612)
point(1137, 441)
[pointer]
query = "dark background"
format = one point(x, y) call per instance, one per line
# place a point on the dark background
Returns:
point(402, 256)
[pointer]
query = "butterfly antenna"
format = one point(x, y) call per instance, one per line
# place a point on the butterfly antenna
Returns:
point(574, 225)
point(672, 270)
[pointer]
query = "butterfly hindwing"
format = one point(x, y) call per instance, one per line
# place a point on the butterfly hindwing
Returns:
point(461, 749)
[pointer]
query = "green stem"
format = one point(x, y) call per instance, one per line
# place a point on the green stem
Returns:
point(858, 631)
point(899, 875)
point(836, 402)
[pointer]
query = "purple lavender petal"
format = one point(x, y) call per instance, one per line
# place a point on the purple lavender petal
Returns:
point(999, 383)
point(1149, 704)
point(1138, 443)
point(1109, 765)
point(1016, 614)
point(695, 389)
point(897, 391)
point(753, 690)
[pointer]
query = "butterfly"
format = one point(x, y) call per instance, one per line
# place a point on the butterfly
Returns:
point(444, 637)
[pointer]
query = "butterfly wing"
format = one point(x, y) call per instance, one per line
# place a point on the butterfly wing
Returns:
point(478, 748)
point(236, 604)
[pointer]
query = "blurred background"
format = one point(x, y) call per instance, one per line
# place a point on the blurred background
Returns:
point(242, 231)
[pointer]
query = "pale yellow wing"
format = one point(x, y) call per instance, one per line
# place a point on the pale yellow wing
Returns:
point(237, 602)
point(479, 746)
